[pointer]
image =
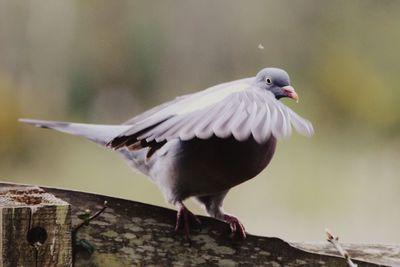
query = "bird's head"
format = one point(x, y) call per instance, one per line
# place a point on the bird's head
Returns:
point(276, 81)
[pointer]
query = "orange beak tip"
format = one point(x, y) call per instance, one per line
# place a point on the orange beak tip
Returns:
point(290, 92)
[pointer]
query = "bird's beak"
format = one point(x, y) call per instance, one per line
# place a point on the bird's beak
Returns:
point(290, 92)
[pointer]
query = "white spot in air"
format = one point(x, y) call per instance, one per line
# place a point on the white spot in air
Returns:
point(260, 46)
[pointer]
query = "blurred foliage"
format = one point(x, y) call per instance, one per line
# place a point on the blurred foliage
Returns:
point(104, 61)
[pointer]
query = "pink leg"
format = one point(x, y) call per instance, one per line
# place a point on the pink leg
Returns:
point(236, 225)
point(182, 217)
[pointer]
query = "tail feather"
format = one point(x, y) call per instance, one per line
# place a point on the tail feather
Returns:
point(98, 133)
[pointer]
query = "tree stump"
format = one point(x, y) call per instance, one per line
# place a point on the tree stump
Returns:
point(35, 228)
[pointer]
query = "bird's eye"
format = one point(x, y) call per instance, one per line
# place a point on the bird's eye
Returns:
point(268, 80)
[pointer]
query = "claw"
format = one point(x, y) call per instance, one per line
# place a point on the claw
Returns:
point(235, 225)
point(182, 218)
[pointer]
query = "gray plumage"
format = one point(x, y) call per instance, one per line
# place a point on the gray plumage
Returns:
point(202, 144)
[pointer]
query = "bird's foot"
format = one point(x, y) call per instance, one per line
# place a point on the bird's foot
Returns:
point(236, 226)
point(183, 217)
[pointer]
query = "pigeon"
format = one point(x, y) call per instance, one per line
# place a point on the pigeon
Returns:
point(202, 144)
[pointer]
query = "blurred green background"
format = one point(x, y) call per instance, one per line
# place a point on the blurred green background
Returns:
point(105, 61)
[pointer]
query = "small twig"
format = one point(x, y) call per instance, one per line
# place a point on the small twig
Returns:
point(334, 240)
point(94, 216)
point(79, 225)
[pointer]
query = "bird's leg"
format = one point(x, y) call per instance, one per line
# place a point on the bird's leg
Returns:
point(182, 217)
point(236, 226)
point(213, 205)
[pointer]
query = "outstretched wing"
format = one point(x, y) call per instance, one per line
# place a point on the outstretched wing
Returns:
point(236, 109)
point(182, 102)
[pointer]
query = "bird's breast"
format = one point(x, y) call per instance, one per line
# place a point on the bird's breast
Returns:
point(214, 165)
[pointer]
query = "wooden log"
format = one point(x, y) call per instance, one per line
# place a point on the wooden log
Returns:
point(35, 228)
point(130, 233)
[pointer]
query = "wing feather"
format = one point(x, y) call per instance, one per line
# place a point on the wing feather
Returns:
point(301, 125)
point(243, 112)
point(242, 131)
point(204, 128)
point(237, 121)
point(266, 124)
point(258, 124)
point(279, 126)
point(187, 133)
point(220, 125)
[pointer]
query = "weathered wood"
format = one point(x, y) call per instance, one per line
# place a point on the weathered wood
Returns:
point(35, 228)
point(380, 254)
point(129, 233)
